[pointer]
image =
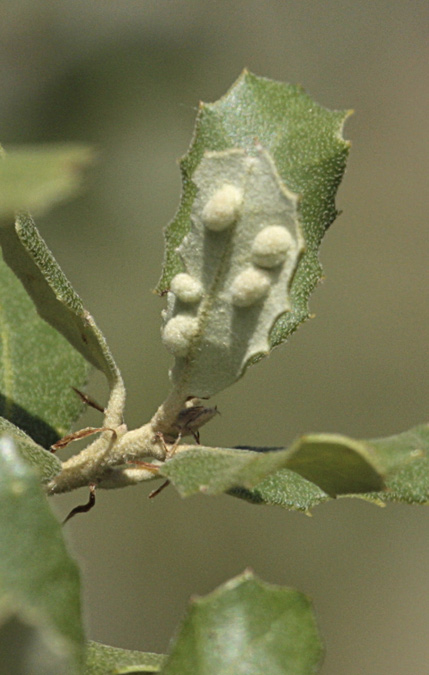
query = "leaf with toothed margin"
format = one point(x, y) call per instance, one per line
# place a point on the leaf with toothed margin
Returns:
point(282, 127)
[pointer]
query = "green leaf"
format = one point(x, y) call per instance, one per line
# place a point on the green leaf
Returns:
point(247, 627)
point(38, 368)
point(337, 464)
point(35, 178)
point(44, 462)
point(405, 461)
point(105, 660)
point(259, 183)
point(39, 582)
point(402, 460)
point(283, 488)
point(334, 464)
point(57, 303)
point(315, 468)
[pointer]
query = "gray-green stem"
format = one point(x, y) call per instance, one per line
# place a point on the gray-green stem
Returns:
point(106, 461)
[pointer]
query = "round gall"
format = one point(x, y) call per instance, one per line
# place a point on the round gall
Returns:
point(271, 246)
point(249, 287)
point(186, 288)
point(223, 208)
point(178, 334)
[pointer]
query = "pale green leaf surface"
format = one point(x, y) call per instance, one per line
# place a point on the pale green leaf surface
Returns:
point(43, 461)
point(105, 660)
point(39, 582)
point(405, 461)
point(304, 141)
point(36, 177)
point(237, 279)
point(216, 470)
point(315, 468)
point(38, 367)
point(337, 464)
point(247, 627)
point(57, 303)
point(333, 465)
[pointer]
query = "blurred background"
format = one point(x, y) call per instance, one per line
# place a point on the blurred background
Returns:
point(127, 77)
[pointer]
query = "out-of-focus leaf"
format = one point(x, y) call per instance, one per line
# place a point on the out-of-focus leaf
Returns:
point(247, 627)
point(24, 649)
point(105, 660)
point(43, 461)
point(302, 144)
point(38, 367)
point(35, 178)
point(39, 582)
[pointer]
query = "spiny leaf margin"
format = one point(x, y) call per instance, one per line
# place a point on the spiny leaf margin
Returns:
point(305, 141)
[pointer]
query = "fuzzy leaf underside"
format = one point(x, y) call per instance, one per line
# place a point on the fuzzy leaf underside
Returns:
point(247, 626)
point(39, 582)
point(105, 660)
point(315, 468)
point(38, 367)
point(34, 178)
point(237, 278)
point(57, 303)
point(309, 154)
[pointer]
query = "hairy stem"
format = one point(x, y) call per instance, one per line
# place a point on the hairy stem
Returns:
point(106, 461)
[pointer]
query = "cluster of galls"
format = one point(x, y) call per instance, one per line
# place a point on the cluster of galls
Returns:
point(269, 250)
